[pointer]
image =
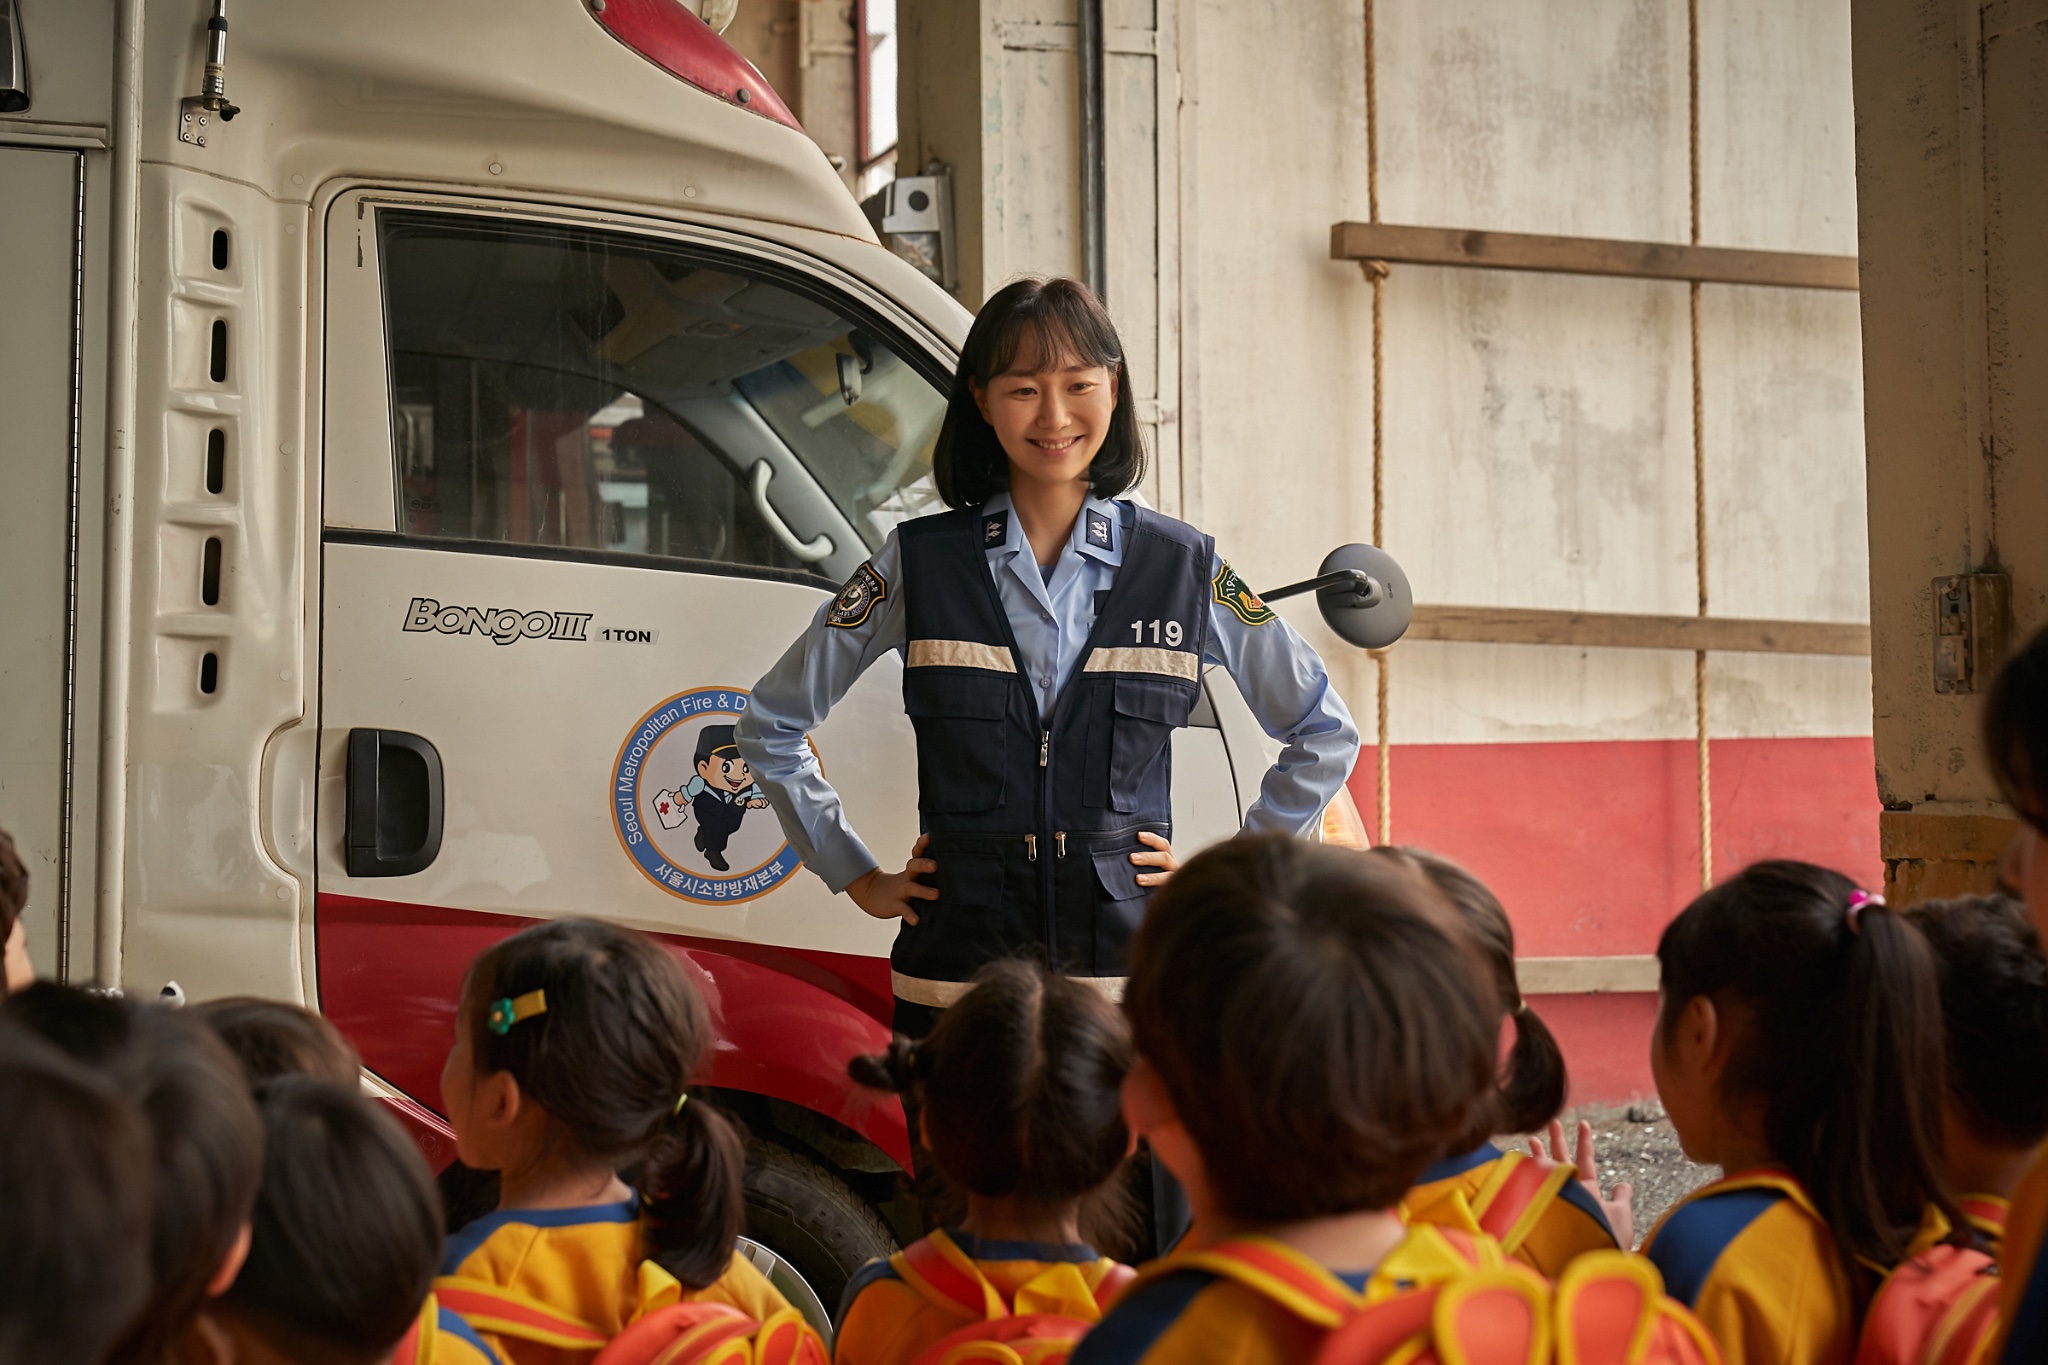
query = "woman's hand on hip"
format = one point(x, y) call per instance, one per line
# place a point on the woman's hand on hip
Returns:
point(1159, 854)
point(893, 895)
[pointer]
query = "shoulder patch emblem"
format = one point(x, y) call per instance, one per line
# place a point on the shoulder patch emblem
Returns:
point(1230, 591)
point(995, 528)
point(1098, 530)
point(857, 598)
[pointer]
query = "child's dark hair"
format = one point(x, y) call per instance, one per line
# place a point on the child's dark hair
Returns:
point(75, 1187)
point(1994, 1005)
point(1019, 1085)
point(2016, 730)
point(622, 1034)
point(1033, 324)
point(347, 1228)
point(1534, 1081)
point(1320, 1020)
point(207, 1139)
point(272, 1038)
point(1836, 1023)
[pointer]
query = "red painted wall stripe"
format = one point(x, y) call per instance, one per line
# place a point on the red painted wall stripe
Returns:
point(1594, 848)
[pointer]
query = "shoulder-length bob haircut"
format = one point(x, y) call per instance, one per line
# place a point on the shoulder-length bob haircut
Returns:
point(1032, 325)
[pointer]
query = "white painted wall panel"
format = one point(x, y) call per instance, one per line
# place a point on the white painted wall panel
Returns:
point(1777, 138)
point(1562, 116)
point(1539, 440)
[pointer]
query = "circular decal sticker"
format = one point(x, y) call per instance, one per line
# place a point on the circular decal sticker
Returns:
point(687, 808)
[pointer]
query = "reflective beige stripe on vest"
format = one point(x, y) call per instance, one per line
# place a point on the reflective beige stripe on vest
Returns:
point(1173, 663)
point(960, 654)
point(940, 994)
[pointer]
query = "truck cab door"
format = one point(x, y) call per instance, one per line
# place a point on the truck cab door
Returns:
point(582, 487)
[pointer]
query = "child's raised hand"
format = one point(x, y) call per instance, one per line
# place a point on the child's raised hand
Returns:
point(1619, 1207)
point(1159, 855)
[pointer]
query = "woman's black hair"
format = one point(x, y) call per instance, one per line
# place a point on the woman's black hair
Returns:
point(272, 1038)
point(1033, 325)
point(623, 1032)
point(1836, 1032)
point(1321, 1020)
point(1019, 1085)
point(1994, 1004)
point(1533, 1082)
point(2016, 731)
point(13, 893)
point(346, 1232)
point(75, 1189)
point(207, 1139)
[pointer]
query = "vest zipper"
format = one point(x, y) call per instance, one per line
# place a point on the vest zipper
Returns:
point(1044, 748)
point(1031, 848)
point(1059, 843)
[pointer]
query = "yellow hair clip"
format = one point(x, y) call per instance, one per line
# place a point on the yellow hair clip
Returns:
point(505, 1013)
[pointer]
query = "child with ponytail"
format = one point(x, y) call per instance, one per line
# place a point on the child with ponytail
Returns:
point(1017, 1091)
point(1544, 1213)
point(1798, 1046)
point(574, 1042)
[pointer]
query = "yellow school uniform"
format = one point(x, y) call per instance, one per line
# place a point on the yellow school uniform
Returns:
point(441, 1337)
point(1465, 1192)
point(2023, 1271)
point(1182, 1312)
point(894, 1309)
point(1751, 1257)
point(583, 1264)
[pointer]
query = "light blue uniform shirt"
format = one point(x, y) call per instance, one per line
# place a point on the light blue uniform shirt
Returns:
point(1280, 674)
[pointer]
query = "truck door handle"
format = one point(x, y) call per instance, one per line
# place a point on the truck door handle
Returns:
point(393, 826)
point(811, 551)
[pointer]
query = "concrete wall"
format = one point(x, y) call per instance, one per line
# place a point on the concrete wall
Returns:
point(1952, 170)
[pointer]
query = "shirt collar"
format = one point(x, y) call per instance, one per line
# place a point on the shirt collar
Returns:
point(1099, 517)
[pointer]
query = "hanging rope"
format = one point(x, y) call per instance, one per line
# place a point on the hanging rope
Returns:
point(1376, 273)
point(1699, 449)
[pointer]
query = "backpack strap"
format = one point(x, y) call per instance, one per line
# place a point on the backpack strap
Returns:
point(1277, 1272)
point(416, 1347)
point(937, 1268)
point(502, 1312)
point(1516, 1196)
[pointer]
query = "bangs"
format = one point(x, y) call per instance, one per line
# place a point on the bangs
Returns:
point(1055, 329)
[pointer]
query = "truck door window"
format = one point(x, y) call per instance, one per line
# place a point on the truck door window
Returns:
point(583, 390)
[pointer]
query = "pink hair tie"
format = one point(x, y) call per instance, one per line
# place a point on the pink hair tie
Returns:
point(1857, 900)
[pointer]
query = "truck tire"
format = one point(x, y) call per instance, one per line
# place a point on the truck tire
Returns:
point(807, 1216)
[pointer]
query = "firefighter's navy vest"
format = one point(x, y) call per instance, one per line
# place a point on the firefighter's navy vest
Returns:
point(1033, 818)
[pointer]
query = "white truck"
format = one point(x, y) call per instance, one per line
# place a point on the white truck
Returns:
point(419, 419)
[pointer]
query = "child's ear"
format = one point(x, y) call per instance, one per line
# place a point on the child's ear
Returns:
point(230, 1265)
point(1703, 1036)
point(980, 392)
point(499, 1100)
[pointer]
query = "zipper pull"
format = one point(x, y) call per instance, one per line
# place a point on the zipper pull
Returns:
point(1031, 848)
point(1044, 747)
point(1060, 842)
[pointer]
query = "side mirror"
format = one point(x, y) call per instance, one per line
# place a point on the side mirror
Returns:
point(1362, 593)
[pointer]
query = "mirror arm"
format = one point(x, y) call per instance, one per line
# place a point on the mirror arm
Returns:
point(1362, 585)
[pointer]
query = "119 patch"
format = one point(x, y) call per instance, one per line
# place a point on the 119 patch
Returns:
point(858, 598)
point(1230, 591)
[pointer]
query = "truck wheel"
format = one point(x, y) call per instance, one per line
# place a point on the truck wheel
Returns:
point(807, 1216)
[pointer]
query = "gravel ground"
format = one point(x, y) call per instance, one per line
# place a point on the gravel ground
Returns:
point(1635, 1143)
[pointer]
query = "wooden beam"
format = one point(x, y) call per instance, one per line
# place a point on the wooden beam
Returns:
point(1588, 256)
point(1619, 630)
point(1585, 975)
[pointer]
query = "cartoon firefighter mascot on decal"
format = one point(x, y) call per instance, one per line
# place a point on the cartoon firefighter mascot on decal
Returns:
point(1053, 635)
point(718, 796)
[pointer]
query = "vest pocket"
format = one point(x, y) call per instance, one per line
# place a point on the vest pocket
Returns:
point(1119, 907)
point(961, 738)
point(1143, 713)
